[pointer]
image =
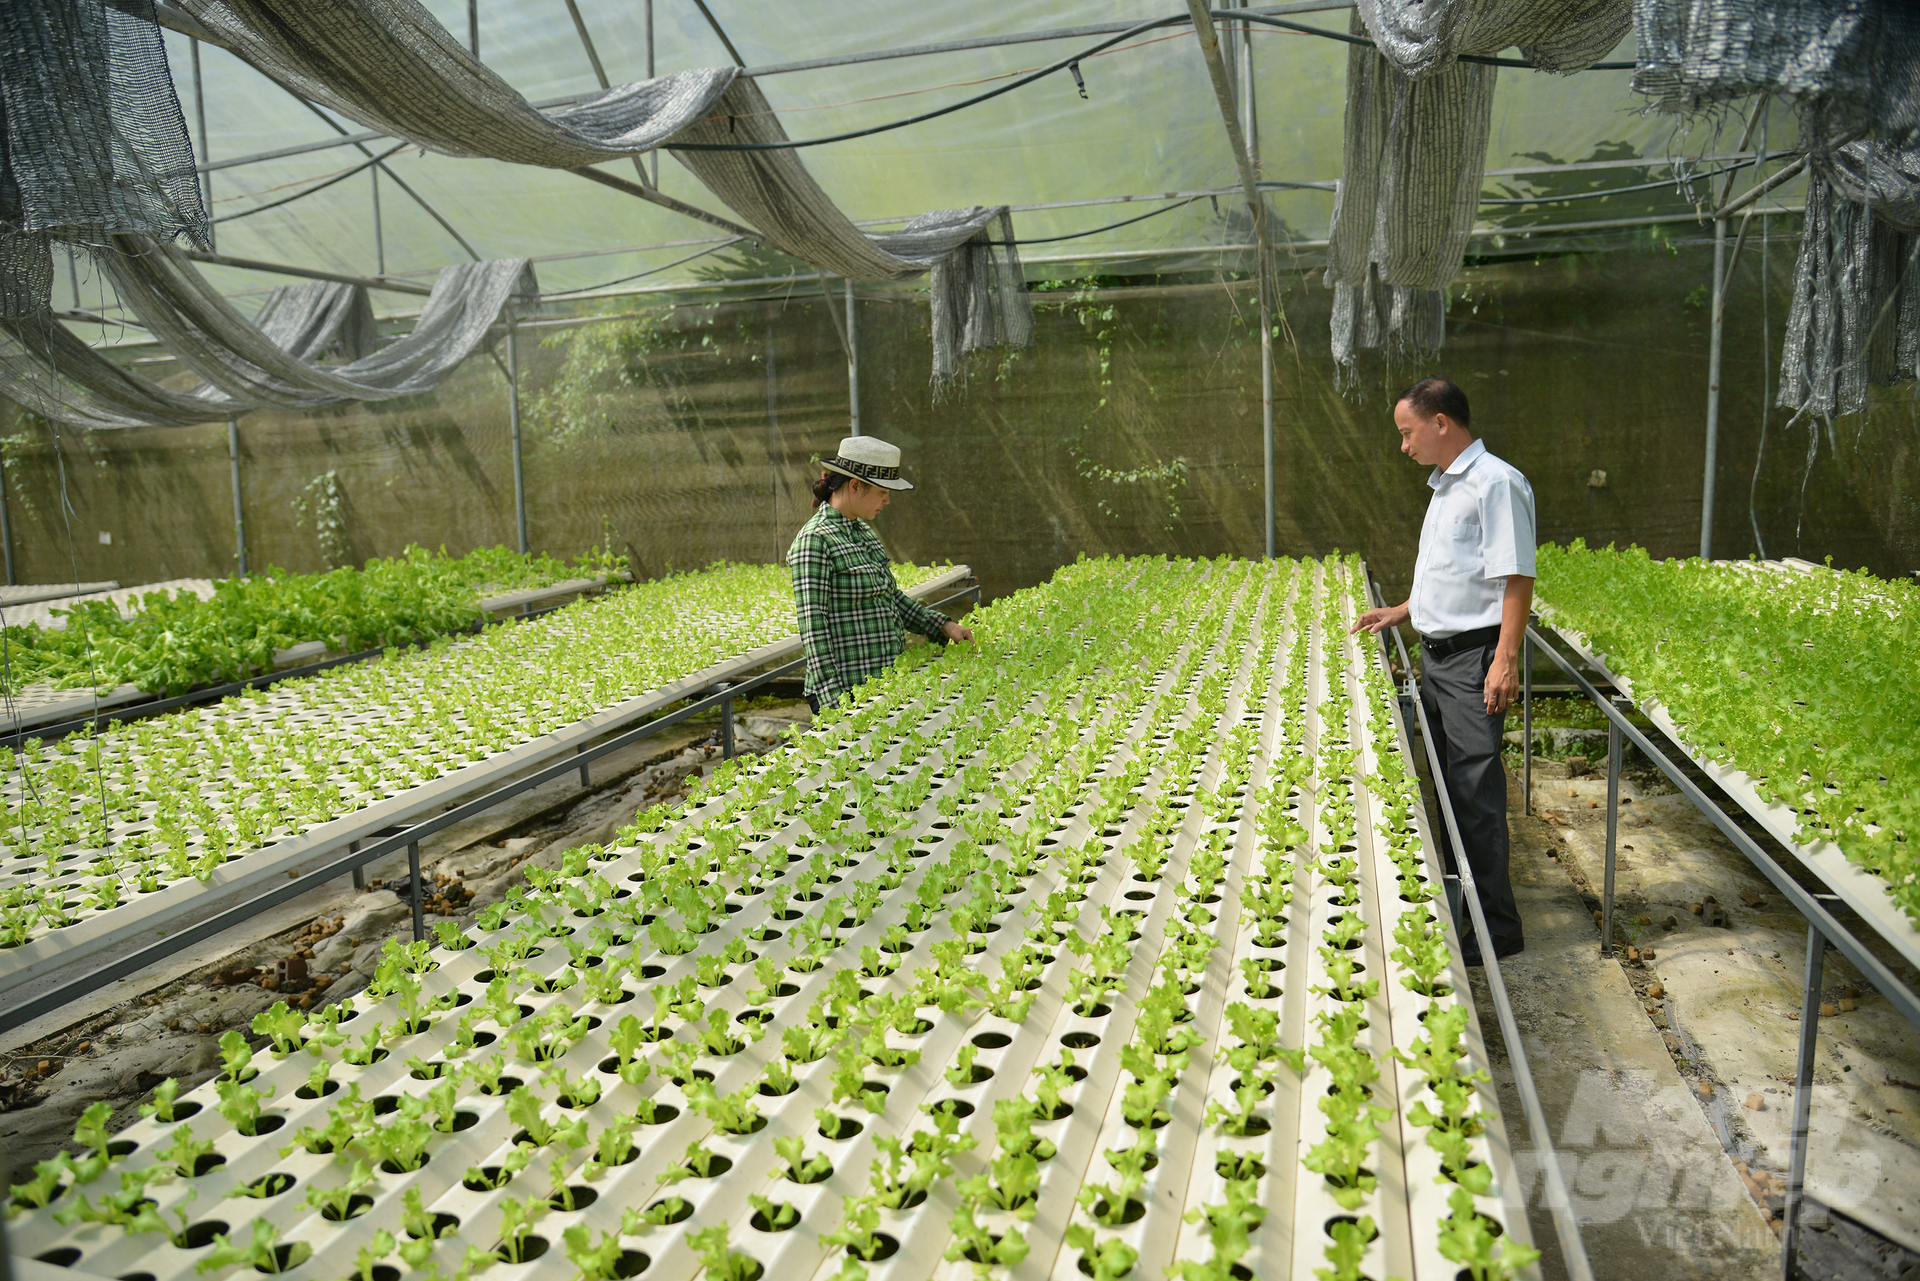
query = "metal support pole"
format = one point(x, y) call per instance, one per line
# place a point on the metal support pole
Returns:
point(379, 238)
point(1526, 724)
point(1266, 396)
point(1713, 386)
point(473, 28)
point(200, 115)
point(853, 362)
point(1714, 342)
point(6, 526)
point(239, 514)
point(726, 722)
point(513, 422)
point(584, 781)
point(1802, 1100)
point(1613, 832)
point(419, 895)
point(360, 869)
point(653, 159)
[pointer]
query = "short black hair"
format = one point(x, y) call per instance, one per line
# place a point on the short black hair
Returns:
point(1432, 396)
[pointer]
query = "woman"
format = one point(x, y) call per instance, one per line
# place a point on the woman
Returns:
point(851, 610)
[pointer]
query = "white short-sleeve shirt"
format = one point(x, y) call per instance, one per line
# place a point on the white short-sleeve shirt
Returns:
point(1479, 529)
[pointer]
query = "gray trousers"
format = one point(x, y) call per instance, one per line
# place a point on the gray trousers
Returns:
point(1468, 740)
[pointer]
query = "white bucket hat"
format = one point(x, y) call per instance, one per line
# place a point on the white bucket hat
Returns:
point(870, 459)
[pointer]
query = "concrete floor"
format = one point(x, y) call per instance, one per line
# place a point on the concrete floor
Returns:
point(1666, 1082)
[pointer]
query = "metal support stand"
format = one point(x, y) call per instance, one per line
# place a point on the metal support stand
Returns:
point(239, 516)
point(419, 895)
point(1613, 835)
point(583, 767)
point(1802, 1100)
point(853, 363)
point(653, 158)
point(513, 422)
point(726, 721)
point(379, 236)
point(1526, 724)
point(359, 869)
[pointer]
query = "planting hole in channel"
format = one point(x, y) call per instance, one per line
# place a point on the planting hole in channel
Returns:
point(583, 1196)
point(357, 1205)
point(1133, 1213)
point(270, 1185)
point(675, 1209)
point(845, 1127)
point(1074, 1040)
point(202, 1233)
point(1348, 1218)
point(65, 1257)
point(993, 1040)
point(960, 1108)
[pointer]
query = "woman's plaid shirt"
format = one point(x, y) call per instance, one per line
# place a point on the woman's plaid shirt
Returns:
point(851, 610)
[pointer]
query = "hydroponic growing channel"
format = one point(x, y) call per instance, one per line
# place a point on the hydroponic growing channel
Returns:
point(1106, 946)
point(1794, 690)
point(107, 832)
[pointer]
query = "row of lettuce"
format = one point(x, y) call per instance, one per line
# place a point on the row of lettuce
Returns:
point(172, 641)
point(91, 822)
point(1803, 680)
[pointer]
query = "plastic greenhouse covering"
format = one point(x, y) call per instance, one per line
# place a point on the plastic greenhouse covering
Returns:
point(1147, 125)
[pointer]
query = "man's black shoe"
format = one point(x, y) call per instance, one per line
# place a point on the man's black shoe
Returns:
point(1470, 952)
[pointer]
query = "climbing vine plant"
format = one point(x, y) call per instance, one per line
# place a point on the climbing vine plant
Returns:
point(1167, 475)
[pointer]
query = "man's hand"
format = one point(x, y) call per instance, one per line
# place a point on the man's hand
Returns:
point(1503, 683)
point(955, 632)
point(1378, 620)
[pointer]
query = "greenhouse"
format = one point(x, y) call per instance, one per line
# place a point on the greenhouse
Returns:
point(691, 640)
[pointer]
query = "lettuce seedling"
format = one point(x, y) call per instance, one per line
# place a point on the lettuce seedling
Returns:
point(800, 1167)
point(730, 1113)
point(284, 1025)
point(1228, 1229)
point(859, 1229)
point(1346, 1248)
point(336, 1202)
point(48, 1182)
point(240, 1104)
point(1466, 1238)
point(780, 1215)
point(721, 1261)
point(1102, 1260)
point(165, 1095)
point(516, 1225)
point(1013, 1120)
point(573, 1094)
point(523, 1108)
point(977, 1246)
point(261, 1249)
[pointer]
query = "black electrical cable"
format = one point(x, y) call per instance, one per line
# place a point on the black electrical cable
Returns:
point(318, 186)
point(1234, 15)
point(1094, 231)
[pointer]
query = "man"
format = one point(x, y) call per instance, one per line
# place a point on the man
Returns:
point(1472, 592)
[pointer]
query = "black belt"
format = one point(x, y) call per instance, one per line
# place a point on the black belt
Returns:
point(1446, 646)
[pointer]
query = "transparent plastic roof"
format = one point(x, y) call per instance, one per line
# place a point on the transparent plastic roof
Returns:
point(1149, 124)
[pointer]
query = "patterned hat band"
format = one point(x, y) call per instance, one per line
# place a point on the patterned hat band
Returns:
point(865, 471)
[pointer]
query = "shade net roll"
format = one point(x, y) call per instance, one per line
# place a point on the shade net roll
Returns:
point(94, 142)
point(1414, 154)
point(391, 66)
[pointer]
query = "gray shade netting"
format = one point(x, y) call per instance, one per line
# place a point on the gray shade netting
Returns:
point(1853, 66)
point(389, 65)
point(1415, 151)
point(1854, 63)
point(1855, 318)
point(93, 140)
point(246, 365)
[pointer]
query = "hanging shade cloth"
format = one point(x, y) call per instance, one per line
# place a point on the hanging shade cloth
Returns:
point(1415, 151)
point(91, 138)
point(390, 66)
point(245, 365)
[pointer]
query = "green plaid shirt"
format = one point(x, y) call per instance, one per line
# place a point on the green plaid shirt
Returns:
point(850, 608)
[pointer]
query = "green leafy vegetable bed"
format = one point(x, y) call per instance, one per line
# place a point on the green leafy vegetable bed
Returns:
point(1805, 681)
point(175, 640)
point(93, 820)
point(1105, 946)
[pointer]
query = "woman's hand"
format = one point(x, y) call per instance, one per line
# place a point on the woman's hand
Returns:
point(956, 632)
